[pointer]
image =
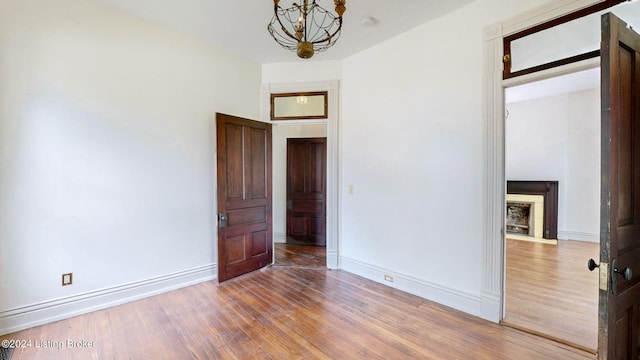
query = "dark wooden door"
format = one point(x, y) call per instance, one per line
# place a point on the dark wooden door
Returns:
point(244, 196)
point(306, 191)
point(619, 309)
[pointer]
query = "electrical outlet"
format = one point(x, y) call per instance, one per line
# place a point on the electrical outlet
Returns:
point(67, 279)
point(389, 278)
point(350, 189)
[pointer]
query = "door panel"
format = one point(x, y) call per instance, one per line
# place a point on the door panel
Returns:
point(306, 191)
point(258, 149)
point(298, 226)
point(317, 225)
point(244, 195)
point(619, 309)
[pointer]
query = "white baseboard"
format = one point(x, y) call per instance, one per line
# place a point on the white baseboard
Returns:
point(579, 236)
point(491, 307)
point(279, 238)
point(332, 259)
point(57, 309)
point(468, 303)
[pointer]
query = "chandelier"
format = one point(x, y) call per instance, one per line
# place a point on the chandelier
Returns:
point(306, 28)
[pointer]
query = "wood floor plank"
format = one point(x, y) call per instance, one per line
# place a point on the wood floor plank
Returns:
point(308, 315)
point(303, 256)
point(551, 292)
point(290, 313)
point(263, 319)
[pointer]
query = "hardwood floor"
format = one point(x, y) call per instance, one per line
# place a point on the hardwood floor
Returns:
point(286, 313)
point(302, 256)
point(550, 291)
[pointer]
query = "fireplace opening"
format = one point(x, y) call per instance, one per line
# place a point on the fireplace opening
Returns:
point(525, 214)
point(519, 218)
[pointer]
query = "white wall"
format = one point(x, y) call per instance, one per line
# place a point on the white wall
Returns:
point(536, 134)
point(412, 141)
point(583, 168)
point(106, 154)
point(301, 71)
point(558, 138)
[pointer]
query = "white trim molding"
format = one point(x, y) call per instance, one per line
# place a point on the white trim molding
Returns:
point(493, 244)
point(493, 255)
point(279, 238)
point(458, 300)
point(45, 312)
point(579, 236)
point(332, 88)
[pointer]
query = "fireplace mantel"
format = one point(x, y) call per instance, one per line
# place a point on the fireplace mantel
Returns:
point(548, 189)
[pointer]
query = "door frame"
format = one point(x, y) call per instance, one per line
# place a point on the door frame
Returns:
point(332, 122)
point(493, 240)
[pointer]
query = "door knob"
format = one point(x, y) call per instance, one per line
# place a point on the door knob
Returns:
point(222, 217)
point(627, 274)
point(591, 264)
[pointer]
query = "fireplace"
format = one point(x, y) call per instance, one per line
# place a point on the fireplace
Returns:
point(525, 215)
point(538, 202)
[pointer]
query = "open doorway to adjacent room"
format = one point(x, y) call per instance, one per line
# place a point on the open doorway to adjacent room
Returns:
point(299, 216)
point(552, 144)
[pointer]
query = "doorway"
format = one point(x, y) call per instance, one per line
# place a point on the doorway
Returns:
point(305, 244)
point(299, 129)
point(289, 254)
point(552, 133)
point(493, 246)
point(306, 191)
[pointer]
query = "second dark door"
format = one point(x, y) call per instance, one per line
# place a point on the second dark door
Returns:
point(306, 191)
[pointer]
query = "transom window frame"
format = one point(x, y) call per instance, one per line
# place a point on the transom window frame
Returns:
point(295, 95)
point(507, 56)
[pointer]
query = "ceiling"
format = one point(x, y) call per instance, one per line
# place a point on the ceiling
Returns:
point(240, 27)
point(564, 84)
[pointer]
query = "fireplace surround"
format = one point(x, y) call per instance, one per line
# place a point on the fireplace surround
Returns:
point(549, 192)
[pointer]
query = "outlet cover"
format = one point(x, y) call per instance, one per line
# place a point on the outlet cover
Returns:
point(389, 278)
point(67, 279)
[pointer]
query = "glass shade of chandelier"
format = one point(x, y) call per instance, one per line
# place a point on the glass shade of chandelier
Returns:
point(306, 28)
